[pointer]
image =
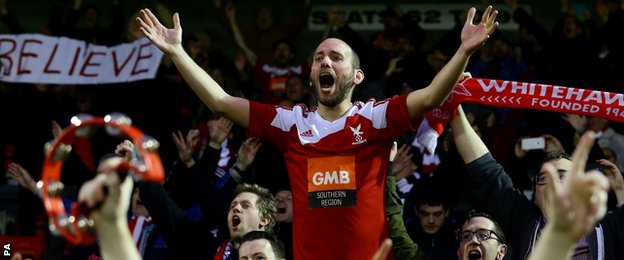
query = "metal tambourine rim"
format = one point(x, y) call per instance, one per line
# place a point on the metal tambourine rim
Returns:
point(51, 175)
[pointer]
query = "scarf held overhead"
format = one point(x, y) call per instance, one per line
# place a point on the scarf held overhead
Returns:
point(512, 94)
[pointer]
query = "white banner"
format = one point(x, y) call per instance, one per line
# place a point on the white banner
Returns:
point(428, 16)
point(36, 58)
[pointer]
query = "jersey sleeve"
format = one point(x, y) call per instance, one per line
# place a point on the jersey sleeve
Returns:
point(397, 118)
point(265, 123)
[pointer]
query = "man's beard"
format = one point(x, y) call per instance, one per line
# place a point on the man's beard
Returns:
point(342, 88)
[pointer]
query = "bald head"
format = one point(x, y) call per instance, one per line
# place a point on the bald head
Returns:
point(339, 66)
point(341, 45)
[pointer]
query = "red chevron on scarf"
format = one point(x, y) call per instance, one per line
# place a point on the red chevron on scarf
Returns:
point(513, 94)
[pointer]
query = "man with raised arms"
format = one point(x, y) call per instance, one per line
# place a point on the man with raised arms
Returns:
point(337, 146)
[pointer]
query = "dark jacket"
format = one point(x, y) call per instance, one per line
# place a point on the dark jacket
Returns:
point(442, 245)
point(402, 245)
point(189, 238)
point(520, 218)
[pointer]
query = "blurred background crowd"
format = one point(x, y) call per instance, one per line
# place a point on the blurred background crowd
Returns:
point(568, 43)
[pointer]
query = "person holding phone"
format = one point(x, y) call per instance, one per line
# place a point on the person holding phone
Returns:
point(519, 217)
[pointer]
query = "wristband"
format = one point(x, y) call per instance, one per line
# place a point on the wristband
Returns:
point(238, 169)
point(235, 172)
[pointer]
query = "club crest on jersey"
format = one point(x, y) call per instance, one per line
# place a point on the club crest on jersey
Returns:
point(357, 134)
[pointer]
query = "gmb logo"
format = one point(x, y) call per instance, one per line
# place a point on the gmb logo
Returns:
point(333, 177)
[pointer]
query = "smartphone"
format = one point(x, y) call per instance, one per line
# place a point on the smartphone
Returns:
point(594, 166)
point(533, 143)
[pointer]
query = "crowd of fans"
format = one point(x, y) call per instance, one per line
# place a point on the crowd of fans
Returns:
point(223, 187)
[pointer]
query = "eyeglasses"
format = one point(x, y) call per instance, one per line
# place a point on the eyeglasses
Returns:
point(542, 179)
point(481, 234)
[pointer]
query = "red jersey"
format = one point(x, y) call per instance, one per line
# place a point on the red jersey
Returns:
point(337, 173)
point(273, 80)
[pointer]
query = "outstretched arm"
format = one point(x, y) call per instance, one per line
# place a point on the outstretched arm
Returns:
point(170, 42)
point(230, 11)
point(468, 143)
point(574, 206)
point(473, 37)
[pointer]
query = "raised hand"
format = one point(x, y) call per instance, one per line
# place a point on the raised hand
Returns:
point(552, 144)
point(219, 130)
point(474, 36)
point(578, 203)
point(247, 152)
point(402, 162)
point(125, 150)
point(21, 175)
point(392, 66)
point(167, 40)
point(114, 205)
point(615, 178)
point(185, 145)
point(578, 122)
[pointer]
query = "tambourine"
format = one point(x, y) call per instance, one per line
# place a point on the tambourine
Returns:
point(77, 228)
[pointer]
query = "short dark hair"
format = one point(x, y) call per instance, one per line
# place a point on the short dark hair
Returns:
point(276, 244)
point(430, 194)
point(497, 228)
point(265, 203)
point(555, 156)
point(291, 46)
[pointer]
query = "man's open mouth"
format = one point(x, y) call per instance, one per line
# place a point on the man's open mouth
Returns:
point(326, 80)
point(235, 221)
point(474, 254)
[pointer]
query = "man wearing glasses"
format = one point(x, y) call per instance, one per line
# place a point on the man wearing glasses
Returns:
point(481, 238)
